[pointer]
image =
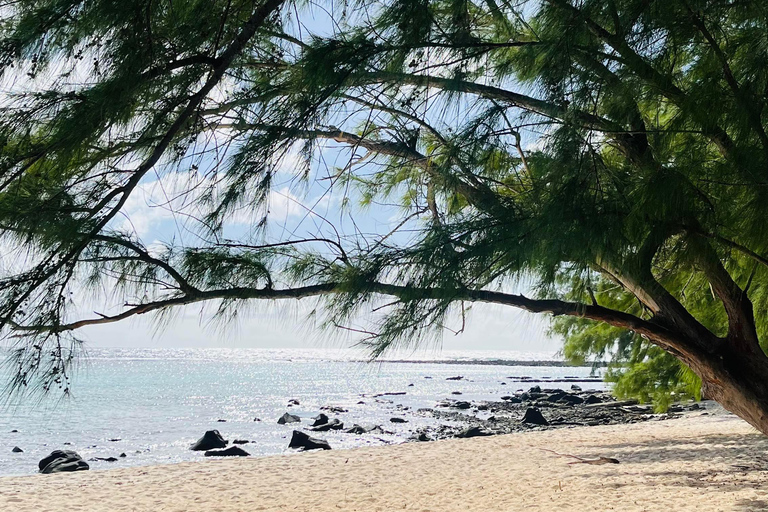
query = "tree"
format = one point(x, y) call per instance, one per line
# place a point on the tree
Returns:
point(609, 155)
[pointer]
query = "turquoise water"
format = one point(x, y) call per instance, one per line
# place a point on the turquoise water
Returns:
point(159, 401)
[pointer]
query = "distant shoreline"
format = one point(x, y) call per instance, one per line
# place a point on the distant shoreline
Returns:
point(492, 362)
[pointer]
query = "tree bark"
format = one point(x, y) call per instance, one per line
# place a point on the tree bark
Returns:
point(736, 376)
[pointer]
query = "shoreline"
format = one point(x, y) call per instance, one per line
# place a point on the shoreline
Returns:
point(554, 363)
point(524, 411)
point(699, 463)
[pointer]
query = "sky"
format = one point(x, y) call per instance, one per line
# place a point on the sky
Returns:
point(286, 324)
point(152, 214)
point(489, 327)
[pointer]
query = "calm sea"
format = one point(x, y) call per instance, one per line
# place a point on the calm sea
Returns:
point(159, 401)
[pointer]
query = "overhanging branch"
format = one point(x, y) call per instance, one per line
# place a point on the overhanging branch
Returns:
point(653, 331)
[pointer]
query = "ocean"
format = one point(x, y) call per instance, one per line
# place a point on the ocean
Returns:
point(152, 404)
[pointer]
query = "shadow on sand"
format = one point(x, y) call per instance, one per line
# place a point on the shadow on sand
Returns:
point(733, 463)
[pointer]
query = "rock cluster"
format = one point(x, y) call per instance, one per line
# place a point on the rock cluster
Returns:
point(539, 408)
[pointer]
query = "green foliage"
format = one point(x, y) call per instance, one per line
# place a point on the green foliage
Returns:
point(610, 155)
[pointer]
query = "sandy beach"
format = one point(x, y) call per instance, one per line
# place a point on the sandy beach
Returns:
point(697, 463)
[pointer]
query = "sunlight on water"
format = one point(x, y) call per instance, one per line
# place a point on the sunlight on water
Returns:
point(158, 401)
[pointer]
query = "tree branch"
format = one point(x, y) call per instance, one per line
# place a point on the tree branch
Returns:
point(652, 330)
point(147, 258)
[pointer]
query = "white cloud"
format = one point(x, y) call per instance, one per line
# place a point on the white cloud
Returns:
point(178, 198)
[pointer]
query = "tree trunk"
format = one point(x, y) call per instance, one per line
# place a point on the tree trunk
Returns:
point(736, 376)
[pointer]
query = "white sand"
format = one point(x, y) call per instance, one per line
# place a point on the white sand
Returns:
point(704, 463)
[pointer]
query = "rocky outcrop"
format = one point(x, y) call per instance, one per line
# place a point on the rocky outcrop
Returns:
point(303, 441)
point(333, 408)
point(210, 441)
point(534, 417)
point(320, 419)
point(61, 461)
point(334, 424)
point(474, 432)
point(356, 429)
point(16, 449)
point(232, 451)
point(571, 399)
point(288, 418)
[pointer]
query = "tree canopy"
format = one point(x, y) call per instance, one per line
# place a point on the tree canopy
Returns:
point(606, 157)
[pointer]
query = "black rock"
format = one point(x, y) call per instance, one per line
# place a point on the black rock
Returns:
point(288, 418)
point(423, 437)
point(398, 420)
point(305, 442)
point(474, 432)
point(534, 417)
point(592, 399)
point(240, 441)
point(456, 392)
point(574, 387)
point(105, 459)
point(458, 377)
point(535, 389)
point(356, 429)
point(293, 401)
point(410, 385)
point(16, 449)
point(14, 431)
point(320, 419)
point(334, 424)
point(511, 399)
point(427, 377)
point(572, 399)
point(462, 405)
point(333, 408)
point(555, 397)
point(67, 444)
point(60, 461)
point(122, 455)
point(210, 440)
point(256, 419)
point(115, 440)
point(503, 383)
point(221, 421)
point(232, 451)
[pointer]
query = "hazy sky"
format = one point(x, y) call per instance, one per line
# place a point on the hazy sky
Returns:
point(489, 327)
point(152, 215)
